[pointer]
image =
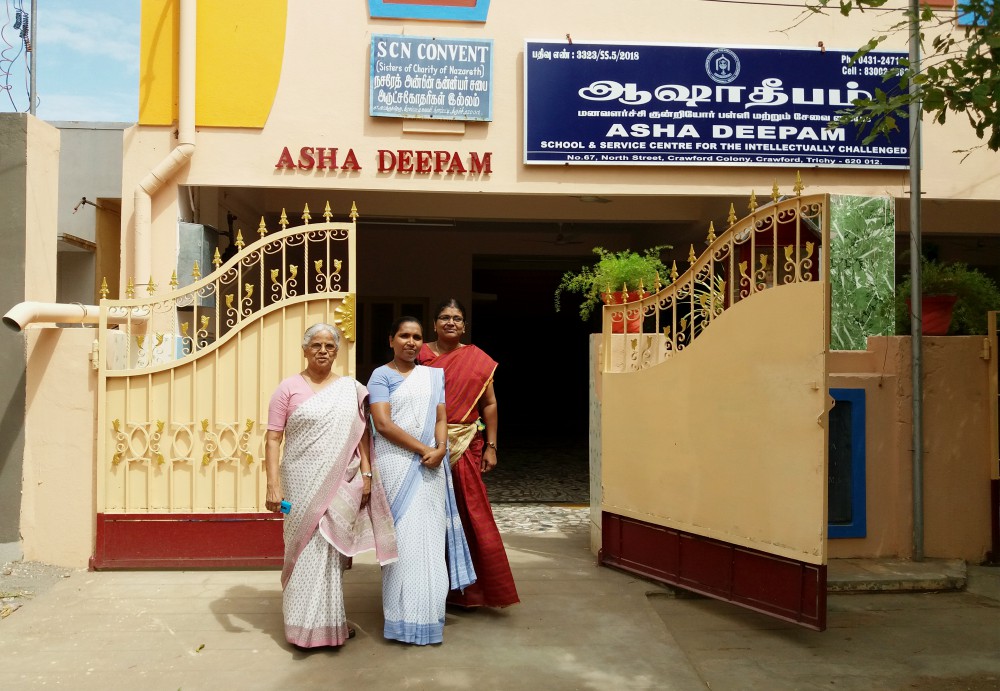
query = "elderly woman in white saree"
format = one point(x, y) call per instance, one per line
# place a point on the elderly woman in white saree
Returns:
point(408, 412)
point(338, 506)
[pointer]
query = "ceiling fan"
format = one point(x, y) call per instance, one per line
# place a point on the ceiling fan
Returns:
point(563, 238)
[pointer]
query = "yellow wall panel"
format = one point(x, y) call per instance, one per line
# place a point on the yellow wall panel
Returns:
point(240, 49)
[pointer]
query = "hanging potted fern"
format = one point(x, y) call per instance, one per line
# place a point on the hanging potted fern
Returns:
point(606, 281)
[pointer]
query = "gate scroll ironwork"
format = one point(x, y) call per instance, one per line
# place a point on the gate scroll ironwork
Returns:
point(185, 379)
point(777, 244)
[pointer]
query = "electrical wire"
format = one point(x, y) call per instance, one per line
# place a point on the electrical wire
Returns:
point(20, 22)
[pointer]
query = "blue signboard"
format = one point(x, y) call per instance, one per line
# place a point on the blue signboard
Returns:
point(655, 104)
point(440, 78)
point(447, 10)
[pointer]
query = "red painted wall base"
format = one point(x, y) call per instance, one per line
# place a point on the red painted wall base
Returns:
point(188, 541)
point(783, 588)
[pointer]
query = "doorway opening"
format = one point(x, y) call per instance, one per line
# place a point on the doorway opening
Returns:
point(541, 381)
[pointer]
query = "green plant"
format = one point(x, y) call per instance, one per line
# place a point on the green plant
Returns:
point(613, 270)
point(976, 295)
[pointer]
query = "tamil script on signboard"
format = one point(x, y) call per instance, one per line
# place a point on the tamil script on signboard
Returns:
point(655, 104)
point(440, 78)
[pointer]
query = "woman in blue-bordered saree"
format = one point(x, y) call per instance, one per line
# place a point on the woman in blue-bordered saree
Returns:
point(433, 554)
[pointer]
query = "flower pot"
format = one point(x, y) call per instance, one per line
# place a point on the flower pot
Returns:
point(935, 311)
point(634, 324)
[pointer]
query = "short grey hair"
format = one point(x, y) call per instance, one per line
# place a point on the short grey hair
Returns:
point(319, 328)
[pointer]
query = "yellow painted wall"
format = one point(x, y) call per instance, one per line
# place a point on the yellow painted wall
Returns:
point(240, 45)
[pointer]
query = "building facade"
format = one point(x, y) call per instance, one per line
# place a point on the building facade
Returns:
point(252, 114)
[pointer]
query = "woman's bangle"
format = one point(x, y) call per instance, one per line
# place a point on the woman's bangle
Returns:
point(368, 474)
point(439, 444)
point(492, 445)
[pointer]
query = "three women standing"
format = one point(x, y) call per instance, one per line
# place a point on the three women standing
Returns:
point(469, 398)
point(337, 504)
point(408, 413)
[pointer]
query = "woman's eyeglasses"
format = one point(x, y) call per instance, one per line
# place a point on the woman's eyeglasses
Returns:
point(316, 347)
point(448, 318)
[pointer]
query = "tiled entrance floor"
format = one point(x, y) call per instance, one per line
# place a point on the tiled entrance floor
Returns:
point(540, 489)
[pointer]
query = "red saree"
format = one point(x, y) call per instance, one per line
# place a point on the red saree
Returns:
point(467, 373)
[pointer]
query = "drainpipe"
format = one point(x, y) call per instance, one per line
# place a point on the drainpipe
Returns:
point(24, 313)
point(182, 153)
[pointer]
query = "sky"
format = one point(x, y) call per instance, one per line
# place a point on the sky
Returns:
point(87, 54)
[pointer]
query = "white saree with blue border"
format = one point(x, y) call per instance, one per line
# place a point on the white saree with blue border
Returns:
point(433, 553)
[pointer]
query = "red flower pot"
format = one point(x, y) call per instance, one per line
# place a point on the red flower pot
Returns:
point(935, 312)
point(634, 323)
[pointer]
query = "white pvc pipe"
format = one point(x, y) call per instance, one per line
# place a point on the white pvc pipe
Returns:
point(24, 313)
point(180, 155)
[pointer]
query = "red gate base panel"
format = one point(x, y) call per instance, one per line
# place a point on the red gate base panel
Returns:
point(784, 588)
point(188, 541)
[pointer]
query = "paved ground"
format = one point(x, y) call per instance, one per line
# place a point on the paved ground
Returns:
point(578, 627)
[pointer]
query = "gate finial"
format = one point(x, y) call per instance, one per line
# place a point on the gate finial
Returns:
point(774, 191)
point(691, 256)
point(239, 239)
point(104, 288)
point(150, 287)
point(173, 280)
point(711, 233)
point(283, 221)
point(217, 259)
point(306, 216)
point(732, 215)
point(196, 271)
point(753, 201)
point(354, 211)
point(798, 184)
point(673, 272)
point(327, 214)
point(130, 288)
point(262, 228)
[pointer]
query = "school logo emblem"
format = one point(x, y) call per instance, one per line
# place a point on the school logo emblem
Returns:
point(722, 65)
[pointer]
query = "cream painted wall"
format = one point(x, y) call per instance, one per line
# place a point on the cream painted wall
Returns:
point(41, 211)
point(29, 152)
point(322, 101)
point(956, 451)
point(57, 512)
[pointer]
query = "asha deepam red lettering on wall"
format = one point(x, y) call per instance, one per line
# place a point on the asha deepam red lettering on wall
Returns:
point(417, 161)
point(318, 157)
point(426, 162)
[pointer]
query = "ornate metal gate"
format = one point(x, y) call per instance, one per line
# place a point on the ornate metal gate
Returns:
point(183, 392)
point(713, 418)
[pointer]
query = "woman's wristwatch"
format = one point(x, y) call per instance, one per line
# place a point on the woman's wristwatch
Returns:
point(368, 474)
point(492, 445)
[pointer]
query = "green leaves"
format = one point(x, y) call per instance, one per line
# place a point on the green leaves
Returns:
point(613, 269)
point(960, 71)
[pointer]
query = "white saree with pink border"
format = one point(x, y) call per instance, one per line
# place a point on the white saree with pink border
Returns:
point(326, 525)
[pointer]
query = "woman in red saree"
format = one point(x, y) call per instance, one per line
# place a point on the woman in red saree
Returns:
point(472, 439)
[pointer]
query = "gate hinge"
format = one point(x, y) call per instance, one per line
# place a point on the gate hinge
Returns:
point(986, 353)
point(95, 355)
